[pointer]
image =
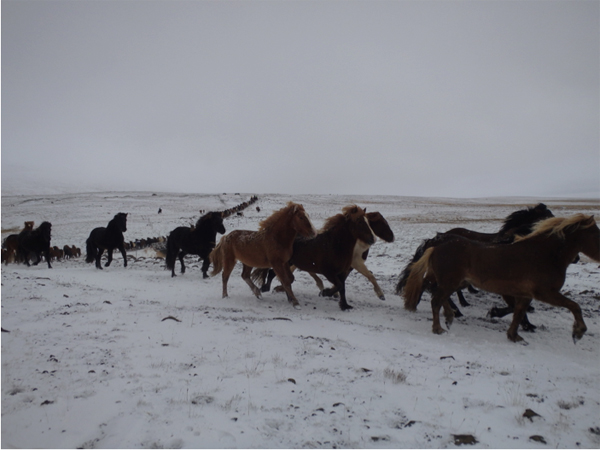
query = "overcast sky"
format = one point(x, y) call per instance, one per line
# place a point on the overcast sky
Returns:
point(432, 98)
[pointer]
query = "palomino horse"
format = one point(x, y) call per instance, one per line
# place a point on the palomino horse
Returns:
point(381, 229)
point(199, 240)
point(533, 267)
point(518, 223)
point(331, 251)
point(35, 241)
point(270, 246)
point(108, 238)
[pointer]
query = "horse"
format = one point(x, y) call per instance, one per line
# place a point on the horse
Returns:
point(35, 241)
point(269, 247)
point(11, 243)
point(517, 223)
point(108, 239)
point(533, 267)
point(330, 252)
point(199, 240)
point(381, 229)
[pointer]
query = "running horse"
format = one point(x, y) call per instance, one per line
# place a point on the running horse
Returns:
point(35, 241)
point(108, 239)
point(269, 247)
point(533, 267)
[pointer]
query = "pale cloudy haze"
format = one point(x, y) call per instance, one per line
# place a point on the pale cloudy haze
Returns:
point(432, 98)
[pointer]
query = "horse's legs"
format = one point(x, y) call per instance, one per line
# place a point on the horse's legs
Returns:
point(246, 271)
point(109, 252)
point(318, 281)
point(501, 312)
point(555, 298)
point(98, 256)
point(205, 266)
point(180, 257)
point(344, 306)
point(472, 290)
point(228, 265)
point(440, 298)
point(266, 287)
point(452, 305)
point(361, 267)
point(461, 298)
point(124, 254)
point(520, 309)
point(47, 254)
point(285, 275)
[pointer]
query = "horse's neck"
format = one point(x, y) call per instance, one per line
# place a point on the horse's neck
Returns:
point(283, 232)
point(341, 235)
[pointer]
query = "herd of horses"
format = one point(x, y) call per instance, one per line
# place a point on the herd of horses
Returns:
point(526, 259)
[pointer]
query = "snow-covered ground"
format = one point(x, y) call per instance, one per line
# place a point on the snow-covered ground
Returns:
point(130, 357)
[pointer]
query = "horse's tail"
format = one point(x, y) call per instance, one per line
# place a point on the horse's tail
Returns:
point(414, 282)
point(91, 250)
point(216, 258)
point(259, 276)
point(418, 254)
point(171, 253)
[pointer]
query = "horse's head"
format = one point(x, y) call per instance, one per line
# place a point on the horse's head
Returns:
point(380, 226)
point(359, 224)
point(589, 238)
point(300, 221)
point(28, 226)
point(217, 220)
point(121, 220)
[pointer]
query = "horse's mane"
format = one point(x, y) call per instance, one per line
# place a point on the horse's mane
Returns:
point(267, 223)
point(559, 226)
point(205, 219)
point(525, 218)
point(350, 212)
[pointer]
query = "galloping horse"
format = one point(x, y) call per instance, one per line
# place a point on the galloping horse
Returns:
point(108, 238)
point(330, 252)
point(518, 223)
point(270, 246)
point(381, 229)
point(197, 241)
point(533, 267)
point(35, 241)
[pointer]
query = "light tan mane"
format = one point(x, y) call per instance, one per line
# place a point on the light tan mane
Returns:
point(274, 218)
point(350, 212)
point(558, 226)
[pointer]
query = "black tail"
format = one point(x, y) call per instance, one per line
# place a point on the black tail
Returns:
point(91, 251)
point(172, 250)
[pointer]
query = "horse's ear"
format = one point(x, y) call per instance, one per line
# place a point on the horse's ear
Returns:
point(365, 210)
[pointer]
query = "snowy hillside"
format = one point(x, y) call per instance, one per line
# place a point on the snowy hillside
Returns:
point(130, 357)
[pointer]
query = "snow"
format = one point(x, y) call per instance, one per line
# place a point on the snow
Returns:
point(130, 357)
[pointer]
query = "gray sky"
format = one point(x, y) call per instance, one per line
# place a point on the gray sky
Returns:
point(452, 98)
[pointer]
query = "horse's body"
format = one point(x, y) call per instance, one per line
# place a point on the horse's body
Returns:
point(108, 239)
point(533, 267)
point(517, 223)
point(331, 251)
point(269, 247)
point(35, 241)
point(199, 240)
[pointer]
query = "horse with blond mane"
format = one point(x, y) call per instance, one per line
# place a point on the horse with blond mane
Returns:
point(533, 267)
point(269, 247)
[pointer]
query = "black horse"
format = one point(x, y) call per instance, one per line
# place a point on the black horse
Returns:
point(35, 241)
point(108, 239)
point(199, 240)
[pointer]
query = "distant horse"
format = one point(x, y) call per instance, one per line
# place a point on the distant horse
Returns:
point(381, 229)
point(330, 252)
point(199, 240)
point(108, 239)
point(68, 252)
point(533, 267)
point(518, 223)
point(270, 246)
point(35, 241)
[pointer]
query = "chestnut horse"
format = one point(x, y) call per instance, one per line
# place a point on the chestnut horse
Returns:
point(533, 267)
point(330, 252)
point(270, 246)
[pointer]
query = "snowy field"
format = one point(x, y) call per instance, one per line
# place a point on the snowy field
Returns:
point(130, 357)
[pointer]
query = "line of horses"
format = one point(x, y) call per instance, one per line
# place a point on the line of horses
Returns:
point(526, 259)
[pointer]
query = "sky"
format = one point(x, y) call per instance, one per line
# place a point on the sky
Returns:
point(427, 98)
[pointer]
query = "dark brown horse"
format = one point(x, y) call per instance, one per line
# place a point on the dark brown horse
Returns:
point(108, 239)
point(35, 242)
point(11, 243)
point(270, 246)
point(330, 252)
point(518, 223)
point(533, 267)
point(381, 229)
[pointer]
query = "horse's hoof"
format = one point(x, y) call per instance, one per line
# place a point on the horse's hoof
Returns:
point(382, 297)
point(438, 331)
point(346, 307)
point(297, 307)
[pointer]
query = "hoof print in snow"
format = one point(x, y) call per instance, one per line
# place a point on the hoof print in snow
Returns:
point(464, 439)
point(380, 438)
point(538, 438)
